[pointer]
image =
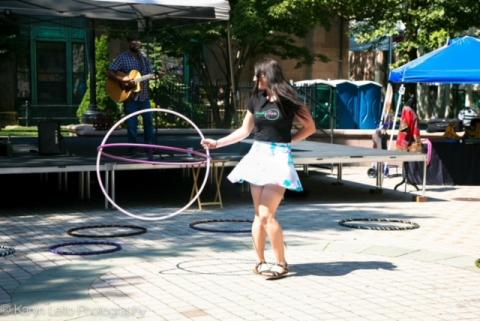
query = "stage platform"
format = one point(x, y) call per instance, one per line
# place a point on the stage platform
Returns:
point(80, 156)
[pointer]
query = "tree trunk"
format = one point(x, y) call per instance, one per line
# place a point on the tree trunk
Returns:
point(444, 99)
point(229, 107)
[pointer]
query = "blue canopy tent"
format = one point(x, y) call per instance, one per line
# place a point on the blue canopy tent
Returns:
point(455, 63)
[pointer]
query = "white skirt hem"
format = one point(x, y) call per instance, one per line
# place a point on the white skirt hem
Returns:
point(267, 163)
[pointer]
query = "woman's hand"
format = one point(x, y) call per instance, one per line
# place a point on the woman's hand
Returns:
point(237, 135)
point(209, 143)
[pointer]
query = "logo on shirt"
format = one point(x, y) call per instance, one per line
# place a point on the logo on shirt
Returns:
point(270, 114)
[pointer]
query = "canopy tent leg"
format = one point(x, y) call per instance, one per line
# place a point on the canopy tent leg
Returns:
point(386, 105)
point(401, 92)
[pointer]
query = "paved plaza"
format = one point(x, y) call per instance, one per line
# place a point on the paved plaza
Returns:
point(173, 272)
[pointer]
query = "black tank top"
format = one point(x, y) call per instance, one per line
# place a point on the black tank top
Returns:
point(273, 120)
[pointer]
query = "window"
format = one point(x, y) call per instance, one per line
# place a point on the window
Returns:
point(58, 65)
point(51, 73)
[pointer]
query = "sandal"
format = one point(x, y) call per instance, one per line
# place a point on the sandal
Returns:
point(261, 268)
point(277, 271)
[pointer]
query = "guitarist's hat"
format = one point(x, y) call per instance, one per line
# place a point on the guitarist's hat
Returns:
point(133, 36)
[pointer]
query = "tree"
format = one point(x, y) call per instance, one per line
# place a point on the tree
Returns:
point(420, 25)
point(102, 63)
point(257, 28)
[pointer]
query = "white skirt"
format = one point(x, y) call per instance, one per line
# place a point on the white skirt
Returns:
point(267, 163)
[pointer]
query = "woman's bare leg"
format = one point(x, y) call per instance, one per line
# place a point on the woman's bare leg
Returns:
point(270, 198)
point(258, 231)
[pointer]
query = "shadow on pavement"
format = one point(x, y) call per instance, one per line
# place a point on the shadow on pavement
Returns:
point(338, 268)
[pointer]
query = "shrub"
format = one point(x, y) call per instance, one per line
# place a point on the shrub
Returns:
point(104, 104)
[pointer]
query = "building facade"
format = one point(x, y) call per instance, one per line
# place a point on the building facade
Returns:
point(46, 74)
point(46, 70)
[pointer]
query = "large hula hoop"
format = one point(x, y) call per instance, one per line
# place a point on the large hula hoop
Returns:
point(136, 230)
point(56, 248)
point(99, 154)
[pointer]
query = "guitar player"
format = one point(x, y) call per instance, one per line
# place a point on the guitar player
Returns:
point(134, 59)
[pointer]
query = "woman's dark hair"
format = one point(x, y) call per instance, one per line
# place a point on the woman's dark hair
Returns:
point(276, 82)
point(411, 102)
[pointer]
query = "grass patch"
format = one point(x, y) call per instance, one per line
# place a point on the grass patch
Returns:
point(30, 131)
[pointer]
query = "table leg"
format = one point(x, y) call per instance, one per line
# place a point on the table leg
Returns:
point(88, 185)
point(195, 189)
point(81, 183)
point(107, 187)
point(217, 176)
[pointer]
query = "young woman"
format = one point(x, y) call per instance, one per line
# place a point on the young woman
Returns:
point(268, 166)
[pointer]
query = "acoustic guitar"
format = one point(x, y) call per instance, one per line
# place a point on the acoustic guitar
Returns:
point(121, 93)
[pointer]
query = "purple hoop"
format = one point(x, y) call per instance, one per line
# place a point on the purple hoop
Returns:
point(164, 147)
point(429, 150)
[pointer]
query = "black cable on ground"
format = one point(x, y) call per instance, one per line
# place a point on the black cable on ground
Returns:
point(194, 225)
point(407, 224)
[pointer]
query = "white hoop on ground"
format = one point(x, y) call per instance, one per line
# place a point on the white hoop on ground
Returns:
point(99, 154)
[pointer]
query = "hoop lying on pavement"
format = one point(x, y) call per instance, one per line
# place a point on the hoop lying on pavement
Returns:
point(195, 226)
point(57, 248)
point(350, 222)
point(136, 230)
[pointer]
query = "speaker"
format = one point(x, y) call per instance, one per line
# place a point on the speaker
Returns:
point(50, 139)
point(6, 148)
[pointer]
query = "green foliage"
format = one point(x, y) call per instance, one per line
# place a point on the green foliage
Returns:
point(102, 63)
point(258, 28)
point(417, 27)
point(168, 93)
point(31, 131)
point(268, 27)
point(422, 26)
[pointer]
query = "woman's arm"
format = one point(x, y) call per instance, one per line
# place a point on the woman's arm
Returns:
point(239, 134)
point(305, 119)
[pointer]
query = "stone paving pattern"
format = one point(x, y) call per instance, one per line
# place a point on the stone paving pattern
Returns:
point(176, 273)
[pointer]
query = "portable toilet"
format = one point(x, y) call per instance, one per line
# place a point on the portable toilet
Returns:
point(369, 104)
point(319, 95)
point(347, 104)
point(351, 104)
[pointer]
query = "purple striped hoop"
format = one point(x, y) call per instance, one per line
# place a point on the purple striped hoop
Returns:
point(159, 147)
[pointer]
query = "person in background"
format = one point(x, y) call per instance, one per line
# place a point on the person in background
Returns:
point(134, 59)
point(408, 138)
point(269, 166)
point(466, 115)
